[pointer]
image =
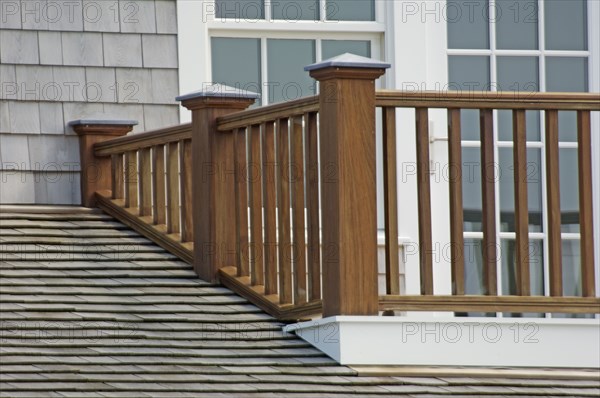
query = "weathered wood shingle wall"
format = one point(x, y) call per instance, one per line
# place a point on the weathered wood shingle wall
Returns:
point(62, 60)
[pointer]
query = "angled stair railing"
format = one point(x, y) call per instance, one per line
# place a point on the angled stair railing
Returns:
point(151, 184)
point(279, 202)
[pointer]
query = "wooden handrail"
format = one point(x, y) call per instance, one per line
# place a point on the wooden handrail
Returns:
point(265, 114)
point(488, 100)
point(138, 141)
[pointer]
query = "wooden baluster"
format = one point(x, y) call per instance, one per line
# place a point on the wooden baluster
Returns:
point(521, 209)
point(553, 198)
point(283, 212)
point(586, 218)
point(312, 207)
point(131, 179)
point(254, 190)
point(241, 202)
point(117, 180)
point(145, 183)
point(173, 223)
point(488, 181)
point(158, 181)
point(187, 224)
point(424, 199)
point(392, 268)
point(297, 183)
point(268, 176)
point(457, 242)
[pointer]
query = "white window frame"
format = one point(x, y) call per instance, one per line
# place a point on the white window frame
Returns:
point(195, 33)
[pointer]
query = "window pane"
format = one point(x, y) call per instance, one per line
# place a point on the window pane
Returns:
point(569, 189)
point(516, 24)
point(473, 266)
point(567, 75)
point(507, 189)
point(571, 267)
point(295, 10)
point(350, 10)
point(286, 62)
point(333, 48)
point(536, 267)
point(236, 63)
point(468, 26)
point(471, 185)
point(240, 9)
point(469, 73)
point(518, 74)
point(566, 24)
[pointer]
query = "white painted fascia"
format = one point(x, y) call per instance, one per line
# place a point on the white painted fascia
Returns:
point(514, 342)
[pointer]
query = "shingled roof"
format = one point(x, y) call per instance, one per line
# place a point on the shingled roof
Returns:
point(89, 308)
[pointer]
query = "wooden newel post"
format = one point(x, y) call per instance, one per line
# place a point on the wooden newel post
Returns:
point(213, 179)
point(96, 171)
point(347, 140)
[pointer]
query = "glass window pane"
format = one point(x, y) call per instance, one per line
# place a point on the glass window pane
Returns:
point(295, 10)
point(566, 24)
point(567, 75)
point(520, 75)
point(473, 266)
point(516, 24)
point(469, 73)
point(471, 185)
point(468, 26)
point(567, 126)
point(286, 61)
point(236, 63)
point(536, 267)
point(509, 273)
point(333, 48)
point(240, 9)
point(569, 189)
point(350, 10)
point(571, 267)
point(507, 189)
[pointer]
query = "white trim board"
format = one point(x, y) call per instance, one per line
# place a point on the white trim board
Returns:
point(514, 342)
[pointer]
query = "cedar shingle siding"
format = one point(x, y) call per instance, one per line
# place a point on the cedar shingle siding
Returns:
point(65, 60)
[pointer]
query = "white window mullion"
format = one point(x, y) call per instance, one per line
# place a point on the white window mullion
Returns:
point(318, 50)
point(542, 87)
point(263, 71)
point(268, 12)
point(542, 46)
point(323, 10)
point(493, 87)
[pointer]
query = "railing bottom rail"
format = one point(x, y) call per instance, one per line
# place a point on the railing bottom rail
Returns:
point(143, 225)
point(513, 304)
point(269, 303)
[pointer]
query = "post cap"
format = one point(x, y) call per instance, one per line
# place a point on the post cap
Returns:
point(219, 91)
point(100, 126)
point(348, 60)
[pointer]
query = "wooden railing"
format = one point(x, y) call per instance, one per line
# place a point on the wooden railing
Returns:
point(278, 261)
point(151, 186)
point(279, 203)
point(486, 103)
